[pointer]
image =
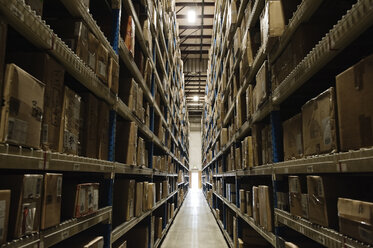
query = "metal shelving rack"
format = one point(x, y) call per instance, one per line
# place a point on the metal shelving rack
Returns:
point(34, 29)
point(349, 28)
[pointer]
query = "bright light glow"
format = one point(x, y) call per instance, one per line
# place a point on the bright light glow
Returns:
point(195, 180)
point(191, 16)
point(195, 98)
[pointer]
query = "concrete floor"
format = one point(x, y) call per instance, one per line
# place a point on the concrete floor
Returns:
point(194, 225)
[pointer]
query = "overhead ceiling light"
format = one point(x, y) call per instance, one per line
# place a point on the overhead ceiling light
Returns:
point(195, 98)
point(191, 16)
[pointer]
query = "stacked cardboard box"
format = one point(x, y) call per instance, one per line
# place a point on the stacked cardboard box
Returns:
point(292, 133)
point(272, 23)
point(126, 146)
point(51, 203)
point(26, 94)
point(5, 200)
point(123, 209)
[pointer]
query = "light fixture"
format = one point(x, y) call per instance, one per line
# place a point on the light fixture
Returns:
point(191, 16)
point(195, 98)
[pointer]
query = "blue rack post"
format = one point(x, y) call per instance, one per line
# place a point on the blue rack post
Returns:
point(109, 183)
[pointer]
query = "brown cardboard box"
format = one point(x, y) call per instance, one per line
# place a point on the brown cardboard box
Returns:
point(355, 219)
point(223, 137)
point(158, 227)
point(25, 203)
point(138, 198)
point(240, 243)
point(129, 39)
point(319, 124)
point(295, 195)
point(292, 133)
point(249, 102)
point(113, 75)
point(158, 191)
point(241, 110)
point(86, 199)
point(151, 195)
point(257, 144)
point(238, 158)
point(51, 206)
point(102, 63)
point(322, 200)
point(256, 204)
point(89, 129)
point(93, 46)
point(129, 94)
point(96, 243)
point(47, 70)
point(248, 53)
point(36, 5)
point(70, 122)
point(172, 210)
point(265, 208)
point(249, 210)
point(140, 152)
point(127, 143)
point(139, 100)
point(242, 201)
point(4, 213)
point(262, 85)
point(165, 189)
point(103, 134)
point(235, 231)
point(354, 93)
point(22, 111)
point(124, 204)
point(272, 22)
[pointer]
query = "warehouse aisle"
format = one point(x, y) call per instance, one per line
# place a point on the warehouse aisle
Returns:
point(194, 226)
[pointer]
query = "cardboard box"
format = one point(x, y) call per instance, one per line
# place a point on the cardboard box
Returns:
point(248, 52)
point(103, 134)
point(256, 204)
point(25, 204)
point(354, 116)
point(248, 199)
point(158, 227)
point(51, 206)
point(272, 23)
point(265, 208)
point(124, 204)
point(261, 90)
point(238, 158)
point(139, 100)
point(22, 110)
point(102, 63)
point(47, 70)
point(86, 199)
point(295, 195)
point(292, 133)
point(138, 198)
point(4, 214)
point(96, 243)
point(126, 145)
point(223, 137)
point(241, 110)
point(129, 38)
point(267, 155)
point(36, 5)
point(140, 152)
point(93, 47)
point(322, 200)
point(151, 195)
point(355, 219)
point(165, 189)
point(113, 76)
point(158, 191)
point(70, 123)
point(257, 144)
point(242, 201)
point(89, 130)
point(319, 124)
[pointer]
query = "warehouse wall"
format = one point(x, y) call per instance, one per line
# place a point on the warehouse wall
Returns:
point(195, 146)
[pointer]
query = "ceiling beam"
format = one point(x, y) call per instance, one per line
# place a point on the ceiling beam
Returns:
point(196, 36)
point(181, 4)
point(194, 45)
point(195, 27)
point(198, 16)
point(195, 52)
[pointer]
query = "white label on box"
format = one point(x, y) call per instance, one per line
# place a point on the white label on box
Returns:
point(102, 69)
point(17, 131)
point(70, 141)
point(2, 218)
point(65, 234)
